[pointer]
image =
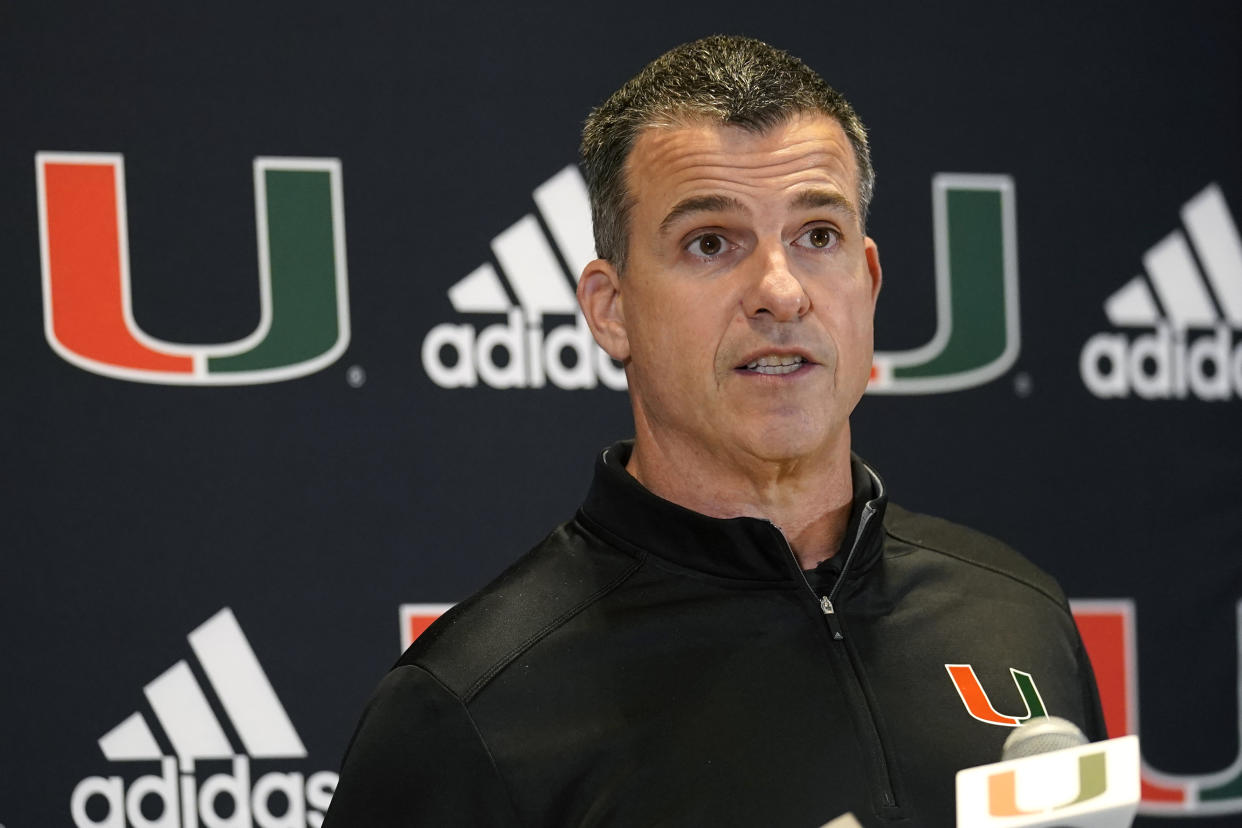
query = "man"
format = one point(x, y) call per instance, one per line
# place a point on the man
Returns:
point(736, 628)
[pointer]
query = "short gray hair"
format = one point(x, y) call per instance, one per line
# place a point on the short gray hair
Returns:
point(724, 79)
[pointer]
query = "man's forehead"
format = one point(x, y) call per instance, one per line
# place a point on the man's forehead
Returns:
point(677, 159)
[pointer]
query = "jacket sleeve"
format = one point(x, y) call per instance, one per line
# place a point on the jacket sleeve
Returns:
point(417, 759)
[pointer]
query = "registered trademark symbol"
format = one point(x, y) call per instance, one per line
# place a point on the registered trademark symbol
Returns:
point(356, 376)
point(1023, 385)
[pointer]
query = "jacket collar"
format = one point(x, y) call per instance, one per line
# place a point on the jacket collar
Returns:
point(742, 548)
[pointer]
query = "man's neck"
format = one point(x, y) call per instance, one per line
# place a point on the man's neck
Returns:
point(809, 499)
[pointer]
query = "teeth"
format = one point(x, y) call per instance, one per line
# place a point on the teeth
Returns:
point(779, 364)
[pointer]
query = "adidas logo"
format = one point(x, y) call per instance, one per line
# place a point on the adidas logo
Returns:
point(1174, 299)
point(518, 353)
point(175, 798)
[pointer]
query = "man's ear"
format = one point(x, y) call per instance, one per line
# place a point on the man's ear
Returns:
point(872, 252)
point(599, 296)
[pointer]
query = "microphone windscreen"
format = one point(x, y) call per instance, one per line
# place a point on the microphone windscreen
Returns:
point(1043, 734)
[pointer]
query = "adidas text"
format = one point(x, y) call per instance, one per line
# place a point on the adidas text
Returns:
point(276, 800)
point(511, 355)
point(196, 734)
point(1163, 364)
point(538, 265)
point(1183, 313)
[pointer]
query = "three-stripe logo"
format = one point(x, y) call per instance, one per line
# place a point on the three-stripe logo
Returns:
point(1174, 298)
point(195, 734)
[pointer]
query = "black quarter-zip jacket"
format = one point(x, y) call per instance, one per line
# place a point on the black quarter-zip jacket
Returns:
point(648, 665)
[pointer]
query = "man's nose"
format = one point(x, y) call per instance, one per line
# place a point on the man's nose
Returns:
point(776, 290)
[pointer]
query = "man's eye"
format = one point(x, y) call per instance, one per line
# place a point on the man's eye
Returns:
point(819, 237)
point(708, 244)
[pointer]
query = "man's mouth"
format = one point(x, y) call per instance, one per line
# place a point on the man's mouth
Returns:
point(778, 364)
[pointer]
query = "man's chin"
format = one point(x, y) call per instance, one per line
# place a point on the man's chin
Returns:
point(788, 443)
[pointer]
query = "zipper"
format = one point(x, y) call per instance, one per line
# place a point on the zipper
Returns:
point(826, 605)
point(884, 787)
point(826, 602)
point(834, 624)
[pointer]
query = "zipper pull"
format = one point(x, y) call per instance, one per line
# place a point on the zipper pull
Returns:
point(825, 604)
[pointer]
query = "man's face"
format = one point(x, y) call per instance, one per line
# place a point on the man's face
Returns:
point(746, 306)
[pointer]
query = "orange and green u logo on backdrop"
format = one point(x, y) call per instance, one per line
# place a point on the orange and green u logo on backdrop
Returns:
point(303, 295)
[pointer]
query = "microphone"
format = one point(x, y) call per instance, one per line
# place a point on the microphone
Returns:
point(1050, 776)
point(1042, 735)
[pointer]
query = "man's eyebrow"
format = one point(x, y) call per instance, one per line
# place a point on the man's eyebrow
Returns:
point(701, 204)
point(824, 198)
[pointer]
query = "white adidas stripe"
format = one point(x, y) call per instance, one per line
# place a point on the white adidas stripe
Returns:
point(480, 292)
point(1132, 305)
point(529, 262)
point(566, 208)
point(1173, 274)
point(1216, 239)
point(532, 269)
point(130, 740)
point(1180, 287)
point(243, 688)
point(184, 713)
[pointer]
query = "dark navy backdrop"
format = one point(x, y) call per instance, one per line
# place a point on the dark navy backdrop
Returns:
point(314, 507)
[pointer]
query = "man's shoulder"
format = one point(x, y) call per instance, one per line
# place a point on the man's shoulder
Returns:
point(980, 553)
point(541, 592)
